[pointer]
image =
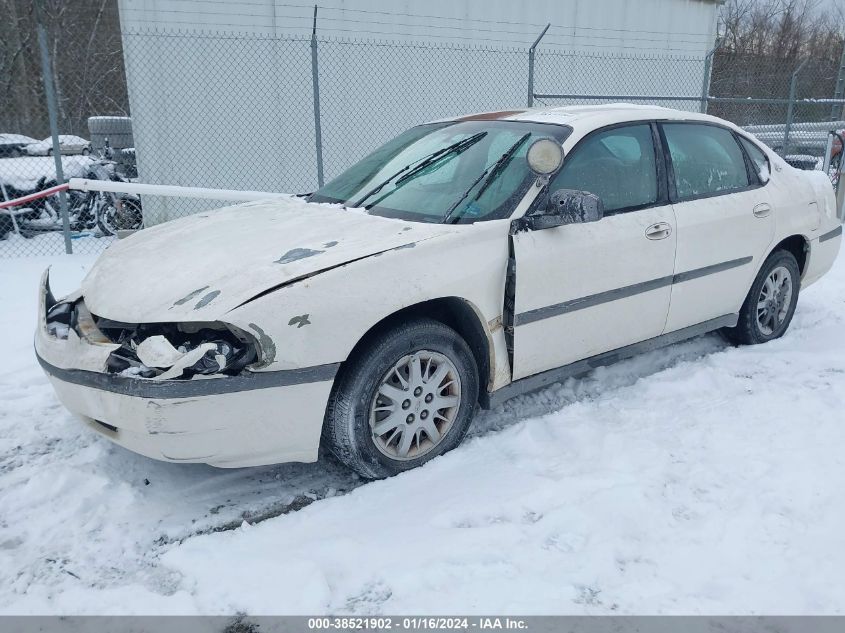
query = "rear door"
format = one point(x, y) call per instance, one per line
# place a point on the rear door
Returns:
point(725, 221)
point(584, 289)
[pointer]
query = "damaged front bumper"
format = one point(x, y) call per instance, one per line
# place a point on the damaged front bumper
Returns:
point(251, 418)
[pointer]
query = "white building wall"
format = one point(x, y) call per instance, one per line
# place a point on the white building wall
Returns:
point(220, 92)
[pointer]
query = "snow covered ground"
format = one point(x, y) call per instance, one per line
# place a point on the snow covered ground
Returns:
point(50, 243)
point(696, 479)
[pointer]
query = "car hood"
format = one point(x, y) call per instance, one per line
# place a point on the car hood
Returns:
point(200, 267)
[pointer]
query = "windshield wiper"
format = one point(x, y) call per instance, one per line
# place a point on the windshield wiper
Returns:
point(491, 172)
point(414, 170)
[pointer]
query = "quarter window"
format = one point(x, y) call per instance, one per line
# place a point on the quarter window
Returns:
point(618, 165)
point(706, 160)
point(759, 158)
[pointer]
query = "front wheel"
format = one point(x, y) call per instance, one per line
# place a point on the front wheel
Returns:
point(406, 398)
point(768, 309)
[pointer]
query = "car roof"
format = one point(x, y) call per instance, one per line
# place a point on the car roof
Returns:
point(594, 116)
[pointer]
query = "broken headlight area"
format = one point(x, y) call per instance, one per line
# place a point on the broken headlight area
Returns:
point(157, 350)
point(66, 316)
point(61, 319)
point(177, 350)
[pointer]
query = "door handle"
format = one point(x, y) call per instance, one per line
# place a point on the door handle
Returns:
point(658, 231)
point(762, 210)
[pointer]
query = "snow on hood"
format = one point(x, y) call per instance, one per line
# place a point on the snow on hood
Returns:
point(200, 267)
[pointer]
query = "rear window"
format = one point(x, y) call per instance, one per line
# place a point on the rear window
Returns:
point(706, 160)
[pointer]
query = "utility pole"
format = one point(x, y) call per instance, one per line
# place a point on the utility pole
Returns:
point(52, 112)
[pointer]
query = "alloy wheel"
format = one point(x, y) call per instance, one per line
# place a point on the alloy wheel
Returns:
point(774, 300)
point(415, 405)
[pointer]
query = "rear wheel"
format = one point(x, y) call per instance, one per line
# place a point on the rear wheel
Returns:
point(408, 397)
point(122, 215)
point(768, 309)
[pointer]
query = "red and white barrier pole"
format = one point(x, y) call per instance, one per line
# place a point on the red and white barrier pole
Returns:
point(18, 202)
point(83, 184)
point(233, 195)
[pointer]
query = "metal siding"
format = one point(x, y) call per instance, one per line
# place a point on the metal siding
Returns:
point(678, 26)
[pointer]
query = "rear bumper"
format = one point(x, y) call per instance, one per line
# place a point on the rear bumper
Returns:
point(823, 252)
point(227, 421)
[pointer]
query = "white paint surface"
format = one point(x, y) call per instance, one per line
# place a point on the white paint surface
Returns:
point(237, 253)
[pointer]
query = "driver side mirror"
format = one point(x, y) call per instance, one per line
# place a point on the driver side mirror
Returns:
point(567, 206)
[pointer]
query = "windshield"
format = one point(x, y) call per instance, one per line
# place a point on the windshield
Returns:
point(454, 171)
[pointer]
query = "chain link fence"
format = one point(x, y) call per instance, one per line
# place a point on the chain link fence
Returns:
point(371, 91)
point(577, 78)
point(278, 113)
point(242, 118)
point(789, 104)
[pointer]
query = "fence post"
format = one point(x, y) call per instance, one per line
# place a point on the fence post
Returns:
point(790, 110)
point(705, 82)
point(836, 109)
point(315, 84)
point(52, 112)
point(531, 66)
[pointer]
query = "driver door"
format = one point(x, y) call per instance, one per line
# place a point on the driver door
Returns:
point(585, 289)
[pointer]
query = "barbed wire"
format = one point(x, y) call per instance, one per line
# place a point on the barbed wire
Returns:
point(322, 9)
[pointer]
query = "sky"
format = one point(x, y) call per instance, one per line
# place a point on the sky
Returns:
point(831, 4)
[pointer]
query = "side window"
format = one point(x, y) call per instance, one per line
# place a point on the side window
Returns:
point(759, 158)
point(706, 159)
point(618, 165)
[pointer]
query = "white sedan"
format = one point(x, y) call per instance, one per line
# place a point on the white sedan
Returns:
point(464, 262)
point(68, 144)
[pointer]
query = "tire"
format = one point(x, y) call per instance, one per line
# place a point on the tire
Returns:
point(86, 151)
point(356, 407)
point(49, 152)
point(775, 319)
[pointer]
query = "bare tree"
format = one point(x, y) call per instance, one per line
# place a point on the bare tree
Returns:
point(762, 43)
point(86, 62)
point(784, 29)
